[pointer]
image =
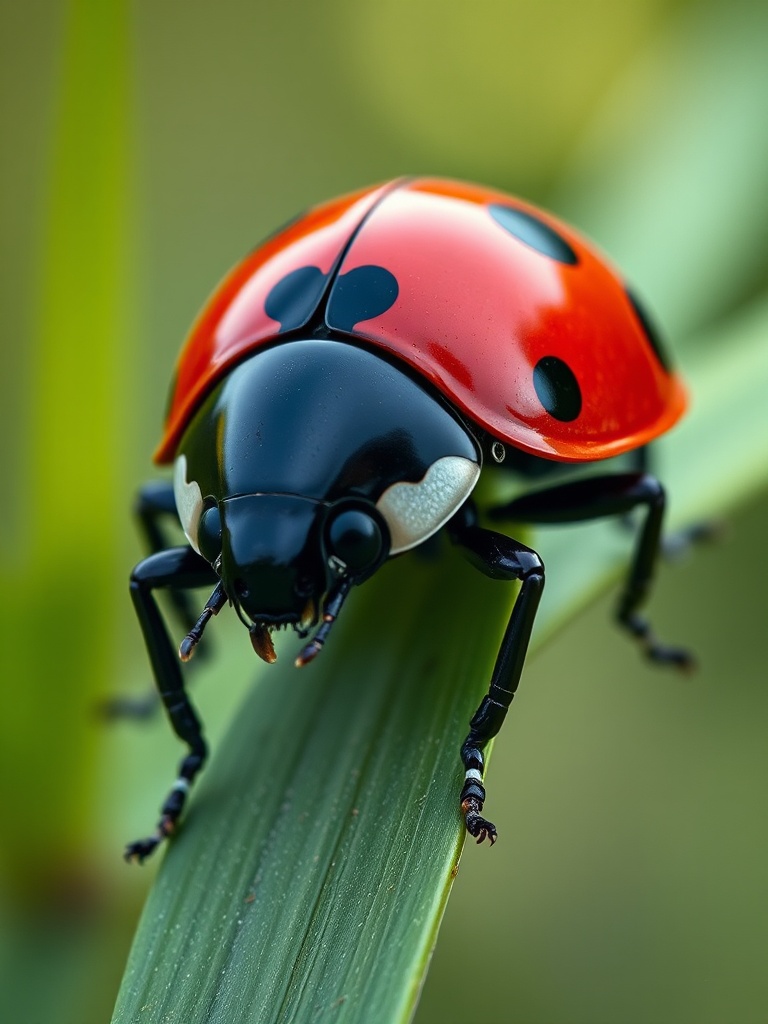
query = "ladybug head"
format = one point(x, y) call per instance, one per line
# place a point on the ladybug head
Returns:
point(283, 554)
point(268, 558)
point(280, 555)
point(304, 470)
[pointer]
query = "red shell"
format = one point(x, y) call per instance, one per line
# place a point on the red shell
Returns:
point(474, 310)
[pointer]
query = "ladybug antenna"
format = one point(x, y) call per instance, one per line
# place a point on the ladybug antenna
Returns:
point(330, 613)
point(213, 606)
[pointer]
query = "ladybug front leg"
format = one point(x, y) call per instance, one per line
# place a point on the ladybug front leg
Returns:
point(178, 568)
point(612, 495)
point(155, 506)
point(501, 558)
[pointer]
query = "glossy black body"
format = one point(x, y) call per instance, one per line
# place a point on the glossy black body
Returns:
point(302, 430)
point(322, 419)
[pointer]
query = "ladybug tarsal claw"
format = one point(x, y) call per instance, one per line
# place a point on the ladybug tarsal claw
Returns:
point(137, 852)
point(677, 657)
point(480, 829)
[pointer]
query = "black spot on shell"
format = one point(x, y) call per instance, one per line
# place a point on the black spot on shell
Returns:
point(362, 294)
point(650, 330)
point(557, 388)
point(294, 298)
point(534, 233)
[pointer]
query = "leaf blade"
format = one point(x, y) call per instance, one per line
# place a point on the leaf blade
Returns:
point(324, 846)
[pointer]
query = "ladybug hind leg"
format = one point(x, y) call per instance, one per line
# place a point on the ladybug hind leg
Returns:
point(674, 545)
point(612, 495)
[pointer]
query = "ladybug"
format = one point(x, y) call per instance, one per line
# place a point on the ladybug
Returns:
point(338, 398)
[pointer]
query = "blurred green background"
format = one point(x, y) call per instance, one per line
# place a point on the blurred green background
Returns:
point(146, 148)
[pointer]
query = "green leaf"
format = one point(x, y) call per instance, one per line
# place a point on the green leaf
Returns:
point(311, 873)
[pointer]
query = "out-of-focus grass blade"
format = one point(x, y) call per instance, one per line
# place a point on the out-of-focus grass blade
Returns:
point(671, 178)
point(62, 561)
point(309, 879)
point(718, 457)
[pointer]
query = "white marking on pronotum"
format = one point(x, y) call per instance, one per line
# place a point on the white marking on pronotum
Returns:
point(414, 512)
point(189, 501)
point(180, 786)
point(473, 773)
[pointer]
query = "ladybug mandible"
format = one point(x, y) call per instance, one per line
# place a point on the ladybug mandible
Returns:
point(338, 397)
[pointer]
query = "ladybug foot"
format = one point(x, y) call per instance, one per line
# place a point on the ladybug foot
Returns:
point(677, 657)
point(675, 545)
point(136, 708)
point(479, 828)
point(138, 851)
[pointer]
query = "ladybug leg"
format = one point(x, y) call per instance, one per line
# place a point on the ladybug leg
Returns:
point(155, 507)
point(501, 558)
point(176, 567)
point(616, 494)
point(641, 459)
point(672, 545)
point(675, 545)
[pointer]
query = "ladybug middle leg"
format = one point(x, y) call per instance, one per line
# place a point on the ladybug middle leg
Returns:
point(178, 568)
point(672, 545)
point(501, 558)
point(611, 495)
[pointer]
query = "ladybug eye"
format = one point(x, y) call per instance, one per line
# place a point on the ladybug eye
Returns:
point(209, 534)
point(356, 539)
